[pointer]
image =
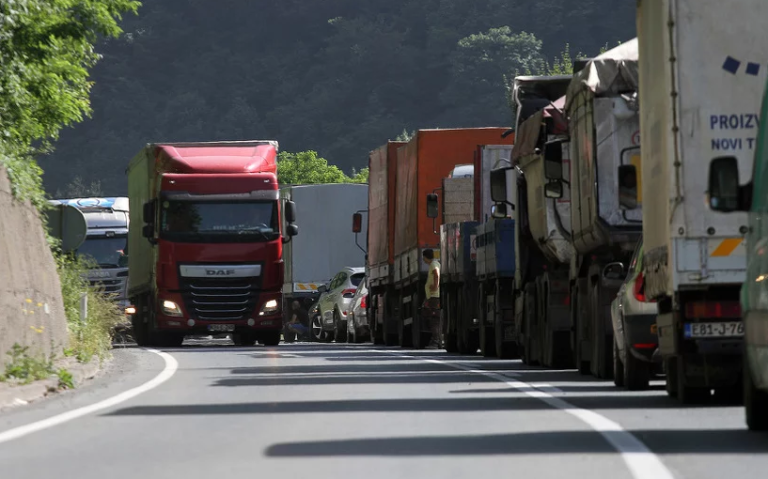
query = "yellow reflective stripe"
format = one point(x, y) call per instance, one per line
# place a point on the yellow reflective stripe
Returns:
point(726, 247)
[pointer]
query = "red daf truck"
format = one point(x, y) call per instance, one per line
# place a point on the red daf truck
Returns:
point(207, 257)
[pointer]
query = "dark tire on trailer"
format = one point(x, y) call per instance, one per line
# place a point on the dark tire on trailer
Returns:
point(270, 338)
point(688, 394)
point(377, 332)
point(603, 343)
point(618, 367)
point(670, 370)
point(582, 366)
point(140, 331)
point(755, 402)
point(169, 340)
point(450, 320)
point(504, 350)
point(487, 341)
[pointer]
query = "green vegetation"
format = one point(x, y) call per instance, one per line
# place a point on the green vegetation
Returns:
point(306, 168)
point(92, 336)
point(47, 52)
point(338, 77)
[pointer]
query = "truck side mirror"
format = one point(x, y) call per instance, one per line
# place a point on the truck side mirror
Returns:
point(148, 231)
point(357, 223)
point(432, 206)
point(290, 211)
point(553, 160)
point(499, 185)
point(148, 212)
point(499, 211)
point(614, 271)
point(628, 187)
point(292, 230)
point(723, 189)
point(553, 190)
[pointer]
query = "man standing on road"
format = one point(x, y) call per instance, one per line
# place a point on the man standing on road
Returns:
point(430, 309)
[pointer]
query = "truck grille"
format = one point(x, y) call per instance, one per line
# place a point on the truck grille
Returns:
point(108, 286)
point(220, 299)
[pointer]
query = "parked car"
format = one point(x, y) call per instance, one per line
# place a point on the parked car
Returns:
point(335, 301)
point(634, 319)
point(358, 329)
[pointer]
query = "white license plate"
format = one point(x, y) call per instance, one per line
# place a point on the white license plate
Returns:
point(730, 329)
point(221, 327)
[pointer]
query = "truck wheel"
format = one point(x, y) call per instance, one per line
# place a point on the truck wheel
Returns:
point(451, 342)
point(670, 370)
point(270, 338)
point(140, 331)
point(603, 344)
point(244, 339)
point(404, 338)
point(755, 402)
point(377, 331)
point(688, 394)
point(618, 367)
point(504, 349)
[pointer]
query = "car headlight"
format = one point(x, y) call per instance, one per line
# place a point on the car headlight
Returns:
point(270, 307)
point(171, 309)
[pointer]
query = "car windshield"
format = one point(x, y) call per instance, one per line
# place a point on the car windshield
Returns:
point(217, 221)
point(356, 279)
point(106, 251)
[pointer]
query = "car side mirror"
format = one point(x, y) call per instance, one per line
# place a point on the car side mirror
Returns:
point(290, 211)
point(628, 187)
point(357, 222)
point(148, 212)
point(614, 271)
point(322, 289)
point(723, 185)
point(432, 206)
point(499, 211)
point(553, 189)
point(499, 185)
point(553, 160)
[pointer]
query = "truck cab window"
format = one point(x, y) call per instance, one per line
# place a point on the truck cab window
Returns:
point(217, 221)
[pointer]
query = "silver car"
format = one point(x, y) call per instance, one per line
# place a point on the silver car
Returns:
point(358, 329)
point(634, 326)
point(335, 302)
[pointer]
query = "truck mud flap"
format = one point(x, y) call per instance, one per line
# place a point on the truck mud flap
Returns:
point(704, 371)
point(668, 335)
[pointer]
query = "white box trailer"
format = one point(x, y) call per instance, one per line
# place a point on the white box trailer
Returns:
point(325, 244)
point(703, 67)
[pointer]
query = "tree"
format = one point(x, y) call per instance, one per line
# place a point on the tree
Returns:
point(359, 176)
point(306, 168)
point(79, 189)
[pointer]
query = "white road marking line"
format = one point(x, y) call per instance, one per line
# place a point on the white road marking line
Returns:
point(171, 365)
point(641, 461)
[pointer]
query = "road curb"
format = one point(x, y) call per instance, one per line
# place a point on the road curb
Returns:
point(14, 396)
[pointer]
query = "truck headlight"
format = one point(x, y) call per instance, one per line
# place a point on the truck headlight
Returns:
point(270, 307)
point(171, 309)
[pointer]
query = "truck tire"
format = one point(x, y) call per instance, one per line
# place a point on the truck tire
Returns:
point(451, 322)
point(270, 338)
point(244, 339)
point(603, 344)
point(618, 367)
point(755, 402)
point(688, 394)
point(377, 331)
point(504, 349)
point(577, 318)
point(670, 370)
point(140, 331)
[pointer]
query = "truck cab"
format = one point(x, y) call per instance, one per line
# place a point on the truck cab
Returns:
point(106, 243)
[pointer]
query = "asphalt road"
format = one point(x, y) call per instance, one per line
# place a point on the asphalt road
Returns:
point(337, 411)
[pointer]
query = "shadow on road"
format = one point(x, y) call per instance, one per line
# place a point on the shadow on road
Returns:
point(556, 442)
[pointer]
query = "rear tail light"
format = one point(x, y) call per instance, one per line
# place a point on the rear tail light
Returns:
point(713, 309)
point(639, 289)
point(348, 293)
point(644, 346)
point(364, 302)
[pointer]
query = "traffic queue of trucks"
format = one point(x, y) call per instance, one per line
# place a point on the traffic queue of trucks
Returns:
point(575, 192)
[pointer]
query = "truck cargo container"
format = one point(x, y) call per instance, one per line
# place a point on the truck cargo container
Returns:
point(207, 256)
point(701, 81)
point(325, 247)
point(543, 249)
point(422, 164)
point(382, 179)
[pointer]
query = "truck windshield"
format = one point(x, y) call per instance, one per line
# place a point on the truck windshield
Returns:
point(106, 251)
point(219, 222)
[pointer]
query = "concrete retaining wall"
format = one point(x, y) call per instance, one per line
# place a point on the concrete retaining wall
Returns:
point(31, 308)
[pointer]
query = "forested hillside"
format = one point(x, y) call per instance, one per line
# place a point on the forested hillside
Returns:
point(336, 76)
